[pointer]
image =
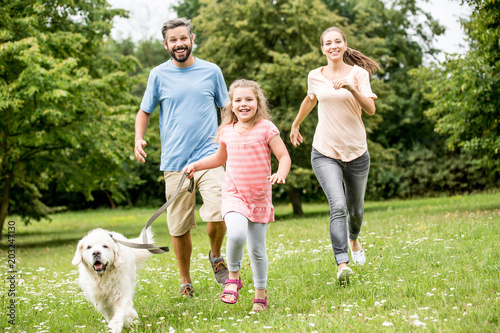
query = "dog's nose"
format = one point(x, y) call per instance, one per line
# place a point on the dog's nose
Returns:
point(96, 253)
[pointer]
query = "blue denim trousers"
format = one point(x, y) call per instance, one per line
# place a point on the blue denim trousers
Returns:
point(344, 184)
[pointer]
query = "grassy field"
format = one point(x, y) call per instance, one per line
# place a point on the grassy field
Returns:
point(431, 265)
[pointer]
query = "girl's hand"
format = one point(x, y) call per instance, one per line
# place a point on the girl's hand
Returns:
point(339, 84)
point(275, 178)
point(295, 136)
point(189, 170)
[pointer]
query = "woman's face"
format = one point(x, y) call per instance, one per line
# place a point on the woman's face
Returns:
point(334, 45)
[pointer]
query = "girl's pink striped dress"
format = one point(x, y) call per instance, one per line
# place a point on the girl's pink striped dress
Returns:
point(246, 189)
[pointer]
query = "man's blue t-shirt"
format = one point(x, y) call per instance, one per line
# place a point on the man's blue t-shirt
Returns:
point(188, 100)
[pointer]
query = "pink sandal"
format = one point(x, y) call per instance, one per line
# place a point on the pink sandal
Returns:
point(230, 292)
point(262, 301)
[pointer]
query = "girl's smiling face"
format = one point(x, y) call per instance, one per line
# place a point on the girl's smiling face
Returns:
point(244, 104)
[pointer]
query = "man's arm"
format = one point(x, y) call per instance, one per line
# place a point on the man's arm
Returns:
point(141, 125)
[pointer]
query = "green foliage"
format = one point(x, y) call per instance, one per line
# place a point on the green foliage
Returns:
point(465, 92)
point(149, 53)
point(187, 9)
point(65, 104)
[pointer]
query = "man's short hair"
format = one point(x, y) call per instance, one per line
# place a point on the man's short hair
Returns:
point(174, 23)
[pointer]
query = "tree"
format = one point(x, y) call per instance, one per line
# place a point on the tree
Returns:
point(465, 91)
point(66, 109)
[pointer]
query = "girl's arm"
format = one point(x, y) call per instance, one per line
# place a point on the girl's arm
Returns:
point(305, 108)
point(209, 162)
point(279, 149)
point(366, 103)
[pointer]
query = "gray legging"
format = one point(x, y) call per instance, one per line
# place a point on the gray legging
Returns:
point(239, 229)
point(344, 184)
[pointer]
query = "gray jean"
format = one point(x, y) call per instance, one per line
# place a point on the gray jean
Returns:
point(239, 230)
point(344, 184)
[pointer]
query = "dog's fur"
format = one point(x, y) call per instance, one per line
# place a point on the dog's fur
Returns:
point(107, 274)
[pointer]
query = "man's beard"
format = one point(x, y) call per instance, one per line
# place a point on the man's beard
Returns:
point(184, 58)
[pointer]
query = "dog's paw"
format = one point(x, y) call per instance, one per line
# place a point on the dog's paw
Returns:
point(115, 326)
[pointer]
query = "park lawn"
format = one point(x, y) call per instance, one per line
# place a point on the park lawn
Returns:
point(431, 265)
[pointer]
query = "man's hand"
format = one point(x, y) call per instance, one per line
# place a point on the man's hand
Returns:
point(139, 152)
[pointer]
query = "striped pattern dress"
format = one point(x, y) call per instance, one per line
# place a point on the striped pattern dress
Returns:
point(246, 189)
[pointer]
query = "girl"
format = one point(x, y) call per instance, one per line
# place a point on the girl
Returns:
point(340, 157)
point(246, 138)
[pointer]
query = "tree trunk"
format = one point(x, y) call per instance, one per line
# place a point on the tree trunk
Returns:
point(4, 204)
point(296, 202)
point(110, 198)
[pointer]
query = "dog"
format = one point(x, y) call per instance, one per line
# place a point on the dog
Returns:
point(107, 274)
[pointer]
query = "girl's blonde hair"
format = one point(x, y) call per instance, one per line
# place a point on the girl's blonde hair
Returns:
point(353, 57)
point(229, 117)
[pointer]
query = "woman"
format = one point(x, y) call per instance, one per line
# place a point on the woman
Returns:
point(340, 157)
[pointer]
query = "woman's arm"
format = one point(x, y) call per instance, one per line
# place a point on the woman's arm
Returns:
point(366, 103)
point(305, 108)
point(279, 149)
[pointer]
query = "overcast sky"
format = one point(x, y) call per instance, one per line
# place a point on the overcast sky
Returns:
point(147, 16)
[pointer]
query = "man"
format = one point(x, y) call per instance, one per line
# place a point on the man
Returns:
point(188, 90)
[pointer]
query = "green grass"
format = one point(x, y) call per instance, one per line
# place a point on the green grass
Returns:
point(430, 262)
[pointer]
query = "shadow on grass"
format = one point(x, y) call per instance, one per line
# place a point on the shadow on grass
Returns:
point(32, 240)
point(52, 243)
point(449, 204)
point(291, 216)
point(429, 206)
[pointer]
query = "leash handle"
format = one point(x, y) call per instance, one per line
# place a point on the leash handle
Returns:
point(172, 198)
point(151, 247)
point(158, 250)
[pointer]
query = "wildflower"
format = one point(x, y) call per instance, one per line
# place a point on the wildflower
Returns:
point(418, 323)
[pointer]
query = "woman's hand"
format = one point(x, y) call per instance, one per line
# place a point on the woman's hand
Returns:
point(366, 103)
point(339, 84)
point(295, 136)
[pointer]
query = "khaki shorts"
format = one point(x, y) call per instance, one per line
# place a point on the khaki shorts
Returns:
point(181, 213)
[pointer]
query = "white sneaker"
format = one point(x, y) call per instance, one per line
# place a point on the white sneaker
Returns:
point(359, 257)
point(344, 274)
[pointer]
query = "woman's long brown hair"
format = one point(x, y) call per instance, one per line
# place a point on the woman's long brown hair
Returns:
point(353, 57)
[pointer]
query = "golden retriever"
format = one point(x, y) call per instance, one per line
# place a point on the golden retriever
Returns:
point(107, 274)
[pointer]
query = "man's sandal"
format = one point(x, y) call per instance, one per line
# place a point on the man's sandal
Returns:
point(186, 290)
point(262, 301)
point(230, 292)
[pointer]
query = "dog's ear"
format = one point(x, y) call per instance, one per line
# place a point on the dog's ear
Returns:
point(77, 259)
point(118, 258)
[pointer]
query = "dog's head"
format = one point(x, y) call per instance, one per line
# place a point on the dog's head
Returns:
point(98, 251)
